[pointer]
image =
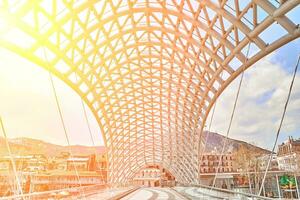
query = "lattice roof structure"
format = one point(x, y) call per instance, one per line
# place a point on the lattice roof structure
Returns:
point(150, 70)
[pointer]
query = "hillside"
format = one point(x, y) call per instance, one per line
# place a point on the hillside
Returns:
point(25, 146)
point(215, 143)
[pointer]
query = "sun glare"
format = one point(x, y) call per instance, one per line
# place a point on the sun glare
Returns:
point(3, 23)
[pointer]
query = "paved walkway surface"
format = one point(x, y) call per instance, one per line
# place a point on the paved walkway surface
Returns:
point(195, 193)
point(105, 194)
point(158, 193)
point(151, 193)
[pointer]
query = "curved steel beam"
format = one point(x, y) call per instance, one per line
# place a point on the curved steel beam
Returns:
point(167, 55)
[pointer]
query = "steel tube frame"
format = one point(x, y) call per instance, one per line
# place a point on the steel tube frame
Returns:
point(148, 70)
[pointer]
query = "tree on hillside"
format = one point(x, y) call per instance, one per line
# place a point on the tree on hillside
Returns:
point(246, 161)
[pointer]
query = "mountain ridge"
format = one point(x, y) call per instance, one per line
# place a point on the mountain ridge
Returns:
point(215, 142)
point(26, 146)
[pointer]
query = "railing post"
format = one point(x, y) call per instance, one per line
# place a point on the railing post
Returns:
point(296, 186)
point(278, 187)
point(249, 180)
point(263, 188)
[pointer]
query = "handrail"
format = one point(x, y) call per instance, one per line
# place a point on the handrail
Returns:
point(229, 191)
point(179, 194)
point(47, 193)
point(124, 194)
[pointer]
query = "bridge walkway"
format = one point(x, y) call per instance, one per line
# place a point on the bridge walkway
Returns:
point(153, 193)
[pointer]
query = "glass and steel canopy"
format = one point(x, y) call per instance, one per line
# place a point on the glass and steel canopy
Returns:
point(150, 70)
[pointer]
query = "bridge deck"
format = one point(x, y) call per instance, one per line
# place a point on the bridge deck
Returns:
point(140, 193)
point(151, 193)
point(109, 194)
point(194, 193)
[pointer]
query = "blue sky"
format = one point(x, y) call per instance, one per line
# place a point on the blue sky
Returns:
point(287, 57)
point(262, 99)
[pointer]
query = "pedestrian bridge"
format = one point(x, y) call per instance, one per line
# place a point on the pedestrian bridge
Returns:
point(149, 70)
point(135, 193)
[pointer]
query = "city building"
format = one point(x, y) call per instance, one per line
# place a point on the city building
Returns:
point(79, 163)
point(213, 162)
point(149, 177)
point(37, 173)
point(101, 165)
point(27, 163)
point(288, 155)
point(263, 160)
point(58, 162)
point(54, 180)
point(101, 162)
point(153, 176)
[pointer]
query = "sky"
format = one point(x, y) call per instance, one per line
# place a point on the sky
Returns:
point(261, 101)
point(28, 106)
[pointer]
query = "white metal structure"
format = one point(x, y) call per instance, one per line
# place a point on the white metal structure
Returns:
point(150, 70)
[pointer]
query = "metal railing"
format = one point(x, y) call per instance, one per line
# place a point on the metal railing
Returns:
point(219, 193)
point(103, 190)
point(67, 192)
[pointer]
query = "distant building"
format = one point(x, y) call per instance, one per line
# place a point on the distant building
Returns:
point(82, 163)
point(213, 162)
point(5, 164)
point(149, 177)
point(57, 179)
point(101, 162)
point(79, 163)
point(101, 165)
point(153, 176)
point(26, 166)
point(28, 163)
point(288, 155)
point(59, 162)
point(37, 173)
point(263, 162)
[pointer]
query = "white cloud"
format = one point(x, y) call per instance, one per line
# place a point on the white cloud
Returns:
point(260, 106)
